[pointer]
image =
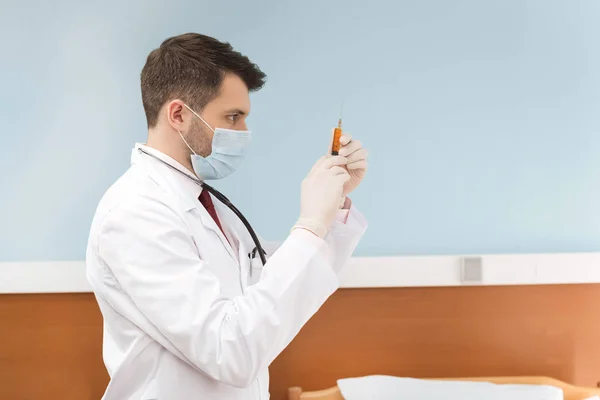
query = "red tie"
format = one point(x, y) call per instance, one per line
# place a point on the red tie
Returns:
point(207, 202)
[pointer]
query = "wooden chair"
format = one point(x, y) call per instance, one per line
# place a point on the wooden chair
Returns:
point(571, 392)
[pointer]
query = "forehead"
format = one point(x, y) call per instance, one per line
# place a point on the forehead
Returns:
point(233, 94)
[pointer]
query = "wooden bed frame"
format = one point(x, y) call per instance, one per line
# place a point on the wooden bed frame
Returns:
point(570, 392)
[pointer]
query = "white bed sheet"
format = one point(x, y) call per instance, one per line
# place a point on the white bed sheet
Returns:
point(380, 387)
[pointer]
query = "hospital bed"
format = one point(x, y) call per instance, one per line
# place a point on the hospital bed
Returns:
point(571, 392)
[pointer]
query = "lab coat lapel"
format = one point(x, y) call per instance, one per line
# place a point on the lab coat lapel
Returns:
point(244, 242)
point(210, 224)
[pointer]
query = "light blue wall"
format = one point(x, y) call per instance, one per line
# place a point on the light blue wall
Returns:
point(482, 117)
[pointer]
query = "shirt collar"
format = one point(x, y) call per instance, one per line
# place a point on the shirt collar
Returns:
point(187, 185)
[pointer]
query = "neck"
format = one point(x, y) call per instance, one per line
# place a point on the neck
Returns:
point(177, 151)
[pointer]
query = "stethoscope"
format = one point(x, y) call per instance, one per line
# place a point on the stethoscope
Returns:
point(221, 197)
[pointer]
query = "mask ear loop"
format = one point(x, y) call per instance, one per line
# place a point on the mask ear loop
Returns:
point(201, 119)
point(186, 143)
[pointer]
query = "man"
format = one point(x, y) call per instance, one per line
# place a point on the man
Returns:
point(189, 310)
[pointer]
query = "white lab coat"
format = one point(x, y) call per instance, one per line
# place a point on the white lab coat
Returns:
point(185, 317)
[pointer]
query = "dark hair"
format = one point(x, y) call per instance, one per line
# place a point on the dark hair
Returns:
point(191, 67)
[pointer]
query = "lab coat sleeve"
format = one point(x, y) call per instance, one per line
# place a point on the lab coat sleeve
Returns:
point(344, 235)
point(341, 241)
point(358, 226)
point(177, 300)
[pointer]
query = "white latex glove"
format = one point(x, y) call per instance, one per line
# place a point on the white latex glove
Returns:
point(321, 193)
point(357, 162)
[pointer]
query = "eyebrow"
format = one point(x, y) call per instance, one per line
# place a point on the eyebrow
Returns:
point(235, 111)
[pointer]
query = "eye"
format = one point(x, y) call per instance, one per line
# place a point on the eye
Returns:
point(233, 117)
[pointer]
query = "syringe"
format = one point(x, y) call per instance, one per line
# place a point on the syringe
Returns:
point(337, 134)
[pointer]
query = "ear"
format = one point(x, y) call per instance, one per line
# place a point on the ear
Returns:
point(178, 116)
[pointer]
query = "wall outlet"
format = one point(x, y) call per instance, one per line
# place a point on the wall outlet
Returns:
point(471, 270)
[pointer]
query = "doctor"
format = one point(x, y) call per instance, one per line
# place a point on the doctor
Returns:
point(189, 312)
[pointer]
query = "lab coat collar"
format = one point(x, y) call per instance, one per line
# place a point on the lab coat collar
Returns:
point(190, 190)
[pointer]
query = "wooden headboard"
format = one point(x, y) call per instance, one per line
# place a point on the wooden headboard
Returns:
point(50, 344)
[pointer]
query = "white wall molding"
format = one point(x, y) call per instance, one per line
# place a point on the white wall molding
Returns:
point(363, 272)
point(520, 269)
point(43, 277)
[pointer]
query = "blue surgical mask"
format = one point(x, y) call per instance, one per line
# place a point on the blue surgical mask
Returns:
point(228, 151)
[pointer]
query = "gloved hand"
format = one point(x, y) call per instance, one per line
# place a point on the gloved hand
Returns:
point(321, 192)
point(357, 162)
